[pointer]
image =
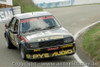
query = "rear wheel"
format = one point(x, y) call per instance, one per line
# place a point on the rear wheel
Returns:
point(22, 52)
point(9, 44)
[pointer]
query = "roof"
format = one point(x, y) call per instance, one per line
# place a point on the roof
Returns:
point(32, 14)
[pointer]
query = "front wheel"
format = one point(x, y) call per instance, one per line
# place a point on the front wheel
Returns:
point(22, 52)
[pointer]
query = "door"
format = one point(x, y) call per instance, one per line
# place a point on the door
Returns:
point(11, 29)
point(16, 36)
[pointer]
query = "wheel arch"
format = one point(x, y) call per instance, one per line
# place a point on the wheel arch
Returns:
point(23, 44)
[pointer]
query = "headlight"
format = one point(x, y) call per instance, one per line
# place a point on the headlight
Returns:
point(33, 45)
point(69, 40)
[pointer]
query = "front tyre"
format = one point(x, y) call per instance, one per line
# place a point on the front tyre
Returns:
point(22, 52)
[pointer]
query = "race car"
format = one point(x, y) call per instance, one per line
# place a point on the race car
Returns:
point(38, 35)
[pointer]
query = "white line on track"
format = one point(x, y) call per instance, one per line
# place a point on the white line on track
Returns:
point(76, 36)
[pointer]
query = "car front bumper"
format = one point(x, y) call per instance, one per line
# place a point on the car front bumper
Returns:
point(41, 53)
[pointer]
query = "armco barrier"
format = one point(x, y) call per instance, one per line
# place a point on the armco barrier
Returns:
point(65, 3)
point(56, 4)
point(7, 13)
point(81, 2)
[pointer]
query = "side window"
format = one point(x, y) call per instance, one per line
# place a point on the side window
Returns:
point(12, 23)
point(16, 26)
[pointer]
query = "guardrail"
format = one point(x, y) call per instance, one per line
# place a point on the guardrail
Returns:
point(65, 3)
point(56, 4)
point(81, 2)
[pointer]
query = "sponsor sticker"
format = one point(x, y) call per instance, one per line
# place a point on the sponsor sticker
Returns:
point(46, 55)
point(65, 46)
point(50, 38)
point(36, 50)
point(49, 49)
point(34, 19)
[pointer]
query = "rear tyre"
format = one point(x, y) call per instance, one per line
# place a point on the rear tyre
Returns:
point(9, 44)
point(22, 52)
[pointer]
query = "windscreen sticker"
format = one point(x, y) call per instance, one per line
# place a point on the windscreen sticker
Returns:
point(34, 19)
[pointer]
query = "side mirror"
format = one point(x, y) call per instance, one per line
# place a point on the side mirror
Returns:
point(6, 25)
point(15, 32)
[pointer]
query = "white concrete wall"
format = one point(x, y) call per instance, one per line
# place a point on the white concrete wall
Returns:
point(79, 2)
point(8, 2)
point(46, 1)
point(59, 3)
point(17, 10)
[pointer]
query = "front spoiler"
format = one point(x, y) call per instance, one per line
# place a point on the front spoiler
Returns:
point(51, 54)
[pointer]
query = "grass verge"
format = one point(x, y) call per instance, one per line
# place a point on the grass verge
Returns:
point(91, 42)
point(26, 5)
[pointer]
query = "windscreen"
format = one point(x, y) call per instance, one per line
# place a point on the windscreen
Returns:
point(38, 23)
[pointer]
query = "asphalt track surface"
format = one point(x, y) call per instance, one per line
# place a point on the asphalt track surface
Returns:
point(73, 19)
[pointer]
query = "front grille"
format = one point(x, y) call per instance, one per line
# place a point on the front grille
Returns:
point(51, 43)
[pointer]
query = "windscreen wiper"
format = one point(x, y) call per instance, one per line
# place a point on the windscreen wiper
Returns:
point(37, 29)
point(52, 27)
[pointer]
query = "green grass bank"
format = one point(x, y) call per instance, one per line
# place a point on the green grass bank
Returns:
point(91, 42)
point(26, 5)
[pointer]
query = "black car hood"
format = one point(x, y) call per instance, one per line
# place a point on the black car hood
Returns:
point(44, 35)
